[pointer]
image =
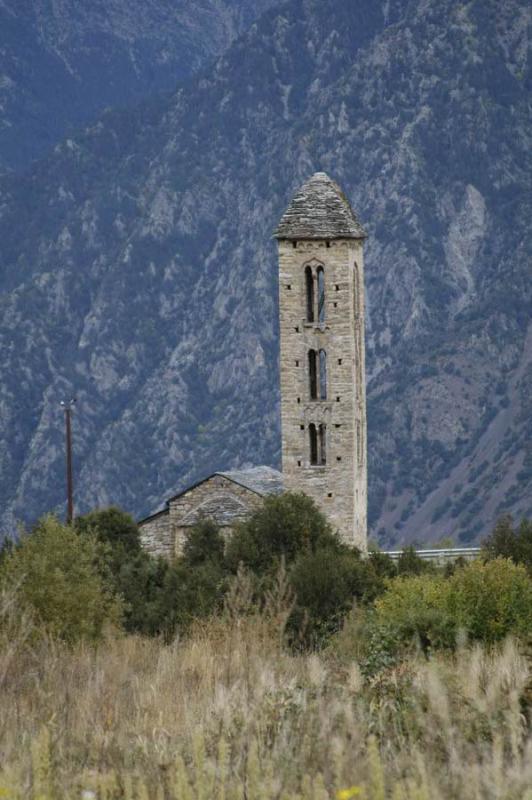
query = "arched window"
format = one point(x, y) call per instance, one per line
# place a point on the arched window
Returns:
point(312, 375)
point(309, 291)
point(323, 375)
point(313, 440)
point(321, 294)
point(323, 443)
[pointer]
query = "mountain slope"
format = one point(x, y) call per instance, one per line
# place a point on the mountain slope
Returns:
point(138, 269)
point(63, 61)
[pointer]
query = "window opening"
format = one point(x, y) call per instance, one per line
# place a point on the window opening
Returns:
point(321, 294)
point(323, 375)
point(313, 438)
point(312, 374)
point(323, 443)
point(309, 291)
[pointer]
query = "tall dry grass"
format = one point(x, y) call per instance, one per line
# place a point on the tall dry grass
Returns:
point(227, 713)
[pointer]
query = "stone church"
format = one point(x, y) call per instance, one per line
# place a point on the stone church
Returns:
point(323, 397)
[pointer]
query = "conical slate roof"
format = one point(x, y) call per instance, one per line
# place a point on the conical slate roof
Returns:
point(319, 210)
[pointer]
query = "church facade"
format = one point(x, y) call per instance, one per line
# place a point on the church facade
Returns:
point(322, 371)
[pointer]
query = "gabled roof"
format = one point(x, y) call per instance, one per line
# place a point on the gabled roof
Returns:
point(260, 480)
point(319, 210)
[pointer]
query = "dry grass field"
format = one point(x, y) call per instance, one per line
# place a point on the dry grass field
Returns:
point(228, 714)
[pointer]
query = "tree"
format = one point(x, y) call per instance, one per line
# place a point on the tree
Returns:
point(326, 583)
point(203, 544)
point(284, 526)
point(112, 526)
point(409, 563)
point(510, 542)
point(491, 600)
point(57, 575)
point(136, 576)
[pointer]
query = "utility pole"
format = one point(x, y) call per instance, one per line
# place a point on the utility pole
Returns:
point(67, 406)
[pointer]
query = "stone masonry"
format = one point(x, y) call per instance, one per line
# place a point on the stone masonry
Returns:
point(225, 497)
point(323, 398)
point(323, 402)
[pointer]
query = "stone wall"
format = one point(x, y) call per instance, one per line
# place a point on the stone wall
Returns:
point(217, 498)
point(339, 487)
point(156, 536)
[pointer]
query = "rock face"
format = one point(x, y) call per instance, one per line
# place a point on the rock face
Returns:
point(64, 61)
point(137, 268)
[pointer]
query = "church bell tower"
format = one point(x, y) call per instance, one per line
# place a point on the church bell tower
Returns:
point(323, 395)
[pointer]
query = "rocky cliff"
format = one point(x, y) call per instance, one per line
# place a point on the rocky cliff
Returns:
point(63, 61)
point(137, 268)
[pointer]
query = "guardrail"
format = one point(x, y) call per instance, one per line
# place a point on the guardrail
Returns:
point(440, 554)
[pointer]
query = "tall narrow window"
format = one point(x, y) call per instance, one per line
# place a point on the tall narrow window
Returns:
point(312, 375)
point(309, 292)
point(313, 441)
point(321, 294)
point(323, 443)
point(323, 375)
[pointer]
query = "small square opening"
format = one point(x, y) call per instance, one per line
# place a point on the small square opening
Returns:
point(329, 494)
point(337, 399)
point(288, 285)
point(302, 427)
point(339, 361)
point(336, 287)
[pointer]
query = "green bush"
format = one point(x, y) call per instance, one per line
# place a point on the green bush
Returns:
point(409, 563)
point(486, 601)
point(204, 544)
point(281, 528)
point(58, 577)
point(415, 608)
point(135, 576)
point(491, 600)
point(326, 583)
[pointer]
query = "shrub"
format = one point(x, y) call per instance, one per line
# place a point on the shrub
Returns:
point(57, 575)
point(487, 601)
point(409, 563)
point(284, 526)
point(204, 543)
point(112, 526)
point(135, 576)
point(415, 607)
point(491, 600)
point(190, 594)
point(326, 583)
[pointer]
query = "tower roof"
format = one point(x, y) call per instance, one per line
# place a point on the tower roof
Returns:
point(319, 210)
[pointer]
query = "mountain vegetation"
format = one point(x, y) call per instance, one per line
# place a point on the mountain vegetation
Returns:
point(62, 63)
